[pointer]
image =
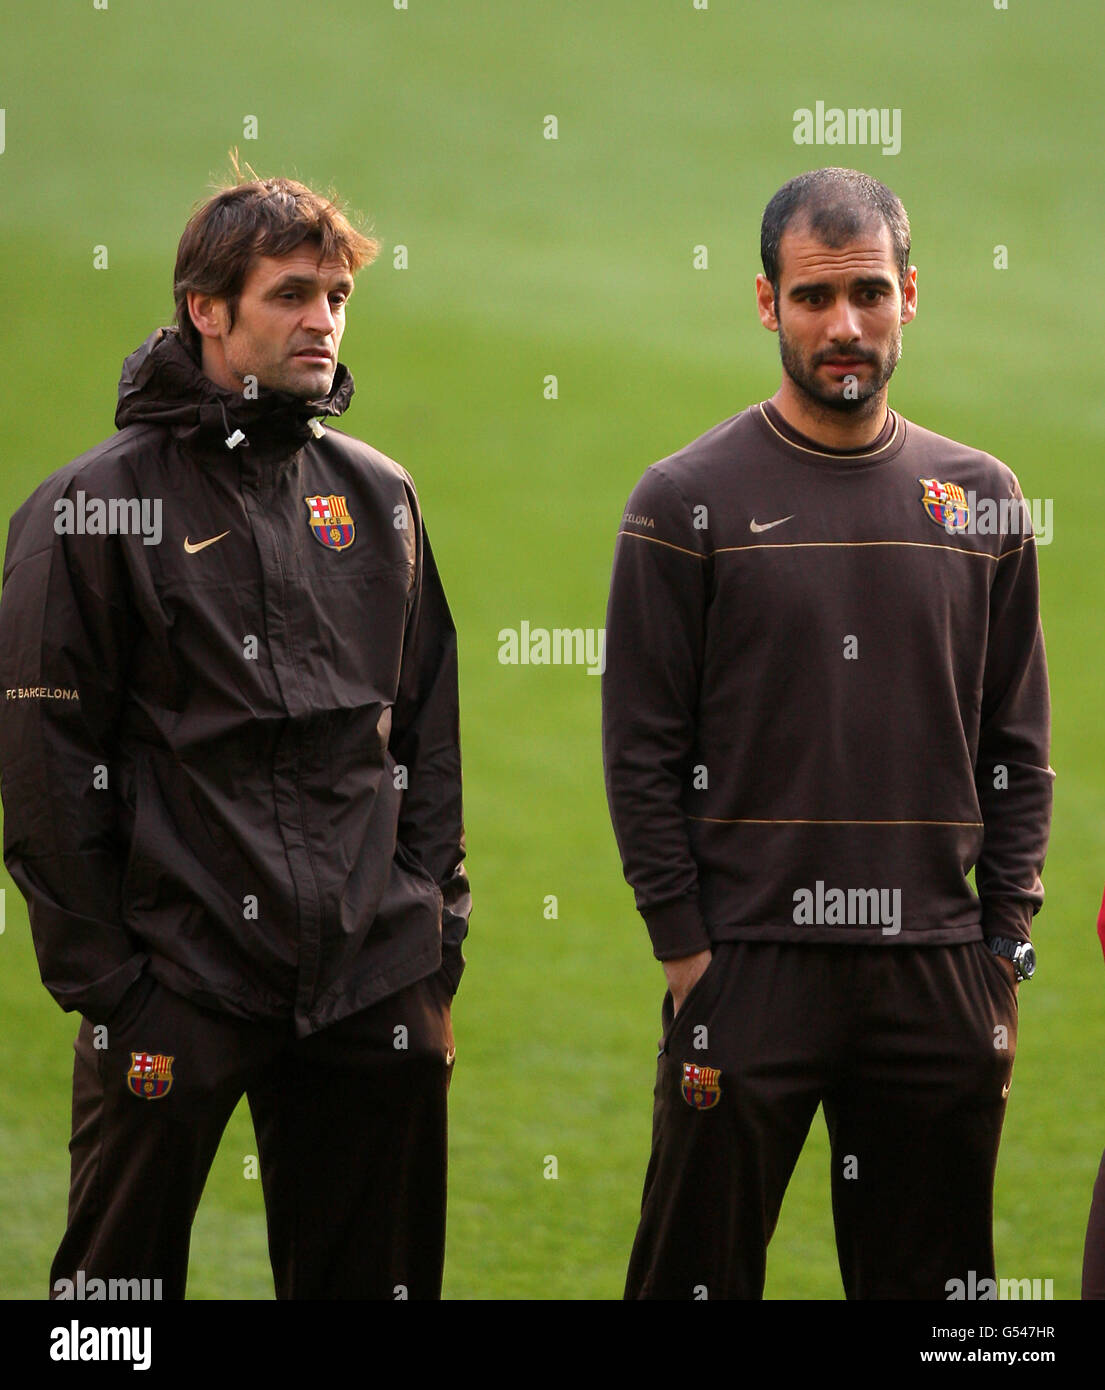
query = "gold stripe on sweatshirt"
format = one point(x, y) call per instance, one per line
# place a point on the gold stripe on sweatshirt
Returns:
point(656, 541)
point(753, 820)
point(823, 545)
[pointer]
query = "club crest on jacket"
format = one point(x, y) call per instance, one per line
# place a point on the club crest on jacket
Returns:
point(331, 524)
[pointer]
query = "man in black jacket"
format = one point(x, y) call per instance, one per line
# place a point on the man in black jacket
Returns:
point(231, 780)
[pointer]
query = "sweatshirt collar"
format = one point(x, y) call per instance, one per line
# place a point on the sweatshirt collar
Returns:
point(883, 446)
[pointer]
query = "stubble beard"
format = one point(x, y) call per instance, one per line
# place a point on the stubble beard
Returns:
point(281, 375)
point(862, 400)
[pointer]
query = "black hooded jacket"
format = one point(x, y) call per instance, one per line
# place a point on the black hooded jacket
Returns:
point(230, 747)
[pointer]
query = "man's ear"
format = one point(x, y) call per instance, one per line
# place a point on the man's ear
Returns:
point(209, 314)
point(765, 303)
point(909, 295)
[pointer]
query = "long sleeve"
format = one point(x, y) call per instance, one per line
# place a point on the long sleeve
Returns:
point(64, 633)
point(654, 651)
point(426, 741)
point(1014, 778)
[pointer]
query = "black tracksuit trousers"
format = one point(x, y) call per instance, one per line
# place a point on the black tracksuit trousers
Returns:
point(351, 1137)
point(910, 1052)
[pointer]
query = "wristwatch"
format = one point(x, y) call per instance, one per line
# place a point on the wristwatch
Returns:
point(1021, 953)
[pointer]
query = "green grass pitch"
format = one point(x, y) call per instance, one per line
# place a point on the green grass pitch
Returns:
point(529, 258)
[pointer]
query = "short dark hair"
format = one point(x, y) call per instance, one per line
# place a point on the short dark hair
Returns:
point(257, 217)
point(837, 205)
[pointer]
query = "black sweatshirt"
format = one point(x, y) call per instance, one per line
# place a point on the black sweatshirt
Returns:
point(826, 683)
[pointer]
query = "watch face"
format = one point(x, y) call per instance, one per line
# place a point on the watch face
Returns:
point(1025, 960)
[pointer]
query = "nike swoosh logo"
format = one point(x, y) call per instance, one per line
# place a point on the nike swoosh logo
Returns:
point(202, 545)
point(755, 526)
point(1005, 1089)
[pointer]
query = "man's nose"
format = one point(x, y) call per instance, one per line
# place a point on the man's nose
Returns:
point(844, 325)
point(319, 317)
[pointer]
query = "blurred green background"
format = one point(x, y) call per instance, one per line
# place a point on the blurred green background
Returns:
point(528, 258)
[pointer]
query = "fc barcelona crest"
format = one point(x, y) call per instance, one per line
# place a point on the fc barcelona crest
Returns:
point(150, 1075)
point(700, 1086)
point(946, 504)
point(331, 524)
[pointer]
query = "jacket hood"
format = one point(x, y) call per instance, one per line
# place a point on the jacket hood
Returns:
point(163, 384)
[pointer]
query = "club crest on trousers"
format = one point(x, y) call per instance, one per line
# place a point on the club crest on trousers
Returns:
point(701, 1090)
point(150, 1075)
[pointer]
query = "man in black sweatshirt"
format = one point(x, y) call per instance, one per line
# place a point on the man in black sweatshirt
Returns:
point(825, 702)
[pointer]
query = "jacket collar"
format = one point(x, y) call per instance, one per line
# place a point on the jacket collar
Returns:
point(163, 384)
